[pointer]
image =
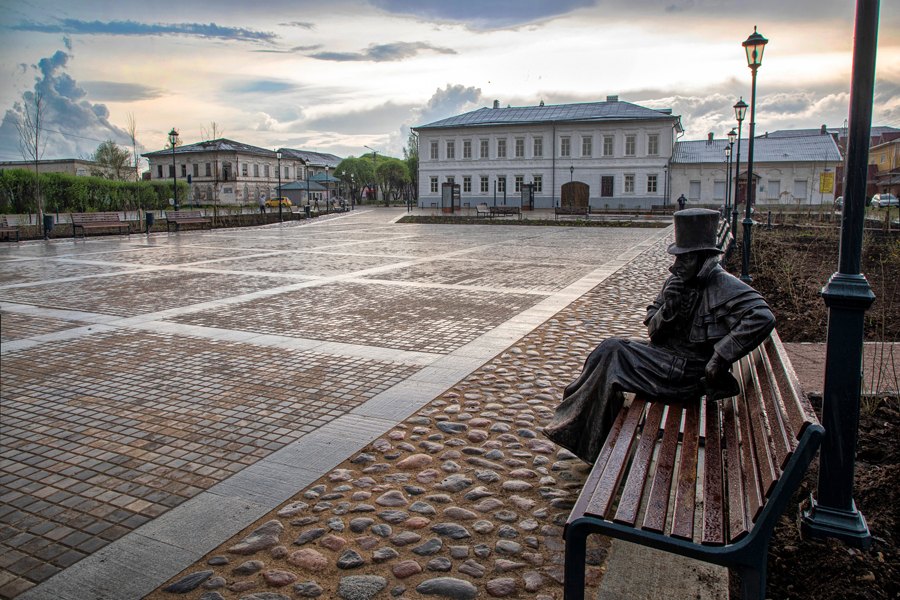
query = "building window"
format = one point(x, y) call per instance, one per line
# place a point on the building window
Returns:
point(519, 181)
point(196, 170)
point(564, 147)
point(485, 187)
point(629, 184)
point(501, 148)
point(256, 170)
point(694, 191)
point(653, 144)
point(467, 184)
point(651, 184)
point(538, 147)
point(629, 145)
point(434, 185)
point(451, 180)
point(538, 183)
point(484, 149)
point(608, 145)
point(244, 169)
point(467, 148)
point(171, 170)
point(159, 171)
point(587, 146)
point(882, 158)
point(718, 190)
point(267, 170)
point(184, 170)
point(501, 184)
point(451, 150)
point(434, 150)
point(208, 170)
point(799, 189)
point(520, 148)
point(774, 189)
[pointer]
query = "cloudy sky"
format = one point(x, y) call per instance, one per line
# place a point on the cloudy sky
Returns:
point(338, 75)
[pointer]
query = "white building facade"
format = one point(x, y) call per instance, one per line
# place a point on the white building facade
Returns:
point(618, 150)
point(787, 170)
point(236, 173)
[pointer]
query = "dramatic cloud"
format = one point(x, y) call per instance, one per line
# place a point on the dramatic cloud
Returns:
point(300, 24)
point(201, 30)
point(452, 100)
point(483, 15)
point(73, 126)
point(374, 120)
point(114, 91)
point(383, 52)
point(293, 50)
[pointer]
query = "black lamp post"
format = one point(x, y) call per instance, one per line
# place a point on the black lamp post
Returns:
point(352, 187)
point(278, 156)
point(727, 175)
point(740, 111)
point(173, 139)
point(754, 46)
point(847, 295)
point(729, 197)
point(571, 186)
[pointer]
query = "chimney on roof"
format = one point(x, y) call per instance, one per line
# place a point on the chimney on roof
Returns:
point(710, 140)
point(496, 104)
point(542, 102)
point(665, 111)
point(824, 130)
point(612, 98)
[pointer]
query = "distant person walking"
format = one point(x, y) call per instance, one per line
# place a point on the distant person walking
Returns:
point(681, 202)
point(262, 206)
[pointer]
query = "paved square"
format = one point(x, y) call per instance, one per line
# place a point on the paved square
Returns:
point(140, 372)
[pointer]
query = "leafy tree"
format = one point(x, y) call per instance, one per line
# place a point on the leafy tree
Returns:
point(392, 178)
point(411, 155)
point(115, 162)
point(356, 173)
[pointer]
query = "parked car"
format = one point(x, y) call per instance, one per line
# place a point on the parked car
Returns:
point(880, 200)
point(273, 203)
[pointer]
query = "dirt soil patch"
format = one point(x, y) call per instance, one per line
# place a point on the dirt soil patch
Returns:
point(449, 220)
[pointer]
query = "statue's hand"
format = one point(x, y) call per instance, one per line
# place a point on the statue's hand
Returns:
point(715, 367)
point(672, 296)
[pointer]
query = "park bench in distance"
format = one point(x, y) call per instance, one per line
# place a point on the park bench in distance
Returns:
point(504, 211)
point(482, 211)
point(753, 450)
point(575, 211)
point(8, 229)
point(184, 217)
point(662, 209)
point(98, 220)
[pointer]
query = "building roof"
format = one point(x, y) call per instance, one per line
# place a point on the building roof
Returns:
point(875, 132)
point(225, 145)
point(301, 185)
point(778, 149)
point(590, 111)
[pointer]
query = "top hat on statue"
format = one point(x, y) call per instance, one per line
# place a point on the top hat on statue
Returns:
point(695, 230)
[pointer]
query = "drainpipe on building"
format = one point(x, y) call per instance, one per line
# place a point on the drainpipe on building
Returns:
point(553, 186)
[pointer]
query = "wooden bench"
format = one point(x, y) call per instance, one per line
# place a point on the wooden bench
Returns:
point(482, 211)
point(575, 211)
point(752, 451)
point(185, 217)
point(504, 211)
point(8, 229)
point(98, 220)
point(662, 209)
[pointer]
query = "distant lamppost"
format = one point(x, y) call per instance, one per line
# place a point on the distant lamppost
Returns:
point(278, 156)
point(307, 186)
point(375, 175)
point(740, 111)
point(352, 187)
point(571, 185)
point(732, 136)
point(173, 139)
point(754, 46)
point(727, 175)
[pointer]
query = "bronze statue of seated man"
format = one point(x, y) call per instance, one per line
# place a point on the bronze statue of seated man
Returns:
point(703, 320)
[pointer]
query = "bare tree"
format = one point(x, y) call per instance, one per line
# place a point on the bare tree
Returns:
point(29, 128)
point(131, 128)
point(212, 133)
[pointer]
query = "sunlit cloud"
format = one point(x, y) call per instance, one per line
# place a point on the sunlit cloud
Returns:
point(383, 52)
point(134, 28)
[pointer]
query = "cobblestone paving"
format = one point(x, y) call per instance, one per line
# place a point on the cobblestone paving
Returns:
point(108, 427)
point(465, 499)
point(17, 326)
point(390, 316)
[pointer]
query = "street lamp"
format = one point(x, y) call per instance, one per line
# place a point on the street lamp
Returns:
point(375, 174)
point(173, 139)
point(352, 187)
point(571, 186)
point(727, 175)
point(740, 111)
point(729, 197)
point(754, 46)
point(278, 156)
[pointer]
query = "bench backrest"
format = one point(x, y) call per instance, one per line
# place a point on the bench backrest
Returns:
point(183, 214)
point(98, 217)
point(747, 442)
point(4, 222)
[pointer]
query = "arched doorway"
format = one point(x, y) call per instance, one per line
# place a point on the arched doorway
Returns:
point(575, 194)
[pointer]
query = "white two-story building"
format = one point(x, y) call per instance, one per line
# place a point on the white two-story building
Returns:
point(608, 154)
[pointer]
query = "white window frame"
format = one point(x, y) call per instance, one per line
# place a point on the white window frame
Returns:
point(520, 179)
point(434, 185)
point(467, 148)
point(485, 184)
point(609, 145)
point(538, 182)
point(699, 186)
point(467, 184)
point(719, 189)
point(501, 184)
point(501, 148)
point(434, 150)
point(630, 145)
point(451, 150)
point(587, 145)
point(485, 149)
point(538, 147)
point(653, 183)
point(653, 144)
point(629, 183)
point(565, 146)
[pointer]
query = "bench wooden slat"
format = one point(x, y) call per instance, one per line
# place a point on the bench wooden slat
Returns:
point(749, 470)
point(600, 464)
point(738, 525)
point(713, 494)
point(658, 502)
point(630, 503)
point(768, 471)
point(797, 405)
point(612, 474)
point(782, 441)
point(686, 490)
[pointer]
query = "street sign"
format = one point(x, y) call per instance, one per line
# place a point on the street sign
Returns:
point(171, 201)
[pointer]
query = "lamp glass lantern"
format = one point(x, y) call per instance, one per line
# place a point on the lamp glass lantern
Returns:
point(727, 151)
point(173, 137)
point(740, 110)
point(732, 135)
point(754, 47)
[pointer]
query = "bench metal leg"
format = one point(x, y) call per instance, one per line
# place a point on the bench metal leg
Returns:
point(753, 581)
point(576, 554)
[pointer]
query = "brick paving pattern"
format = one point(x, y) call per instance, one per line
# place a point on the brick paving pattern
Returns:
point(108, 430)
